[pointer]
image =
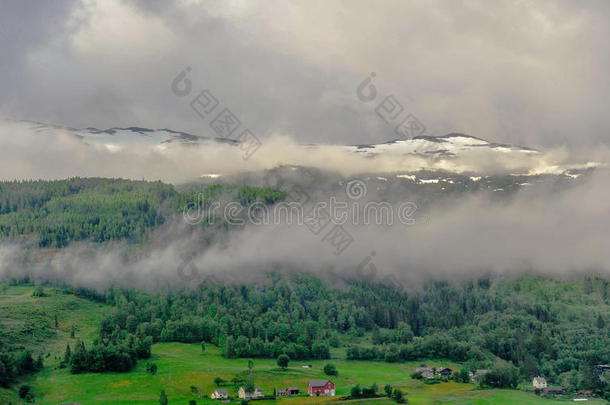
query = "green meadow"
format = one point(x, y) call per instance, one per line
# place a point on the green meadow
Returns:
point(184, 370)
point(181, 366)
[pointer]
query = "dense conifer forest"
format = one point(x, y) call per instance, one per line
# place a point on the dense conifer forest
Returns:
point(56, 213)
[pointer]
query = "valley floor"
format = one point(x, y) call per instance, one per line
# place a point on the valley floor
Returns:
point(182, 366)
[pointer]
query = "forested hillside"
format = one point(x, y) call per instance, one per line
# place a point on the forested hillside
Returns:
point(59, 212)
point(537, 326)
point(519, 328)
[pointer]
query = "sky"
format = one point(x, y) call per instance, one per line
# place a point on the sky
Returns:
point(531, 73)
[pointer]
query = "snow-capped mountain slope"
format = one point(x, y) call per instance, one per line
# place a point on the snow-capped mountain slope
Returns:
point(455, 152)
point(445, 146)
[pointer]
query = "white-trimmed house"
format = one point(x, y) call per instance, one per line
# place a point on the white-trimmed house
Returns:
point(254, 395)
point(539, 382)
point(220, 393)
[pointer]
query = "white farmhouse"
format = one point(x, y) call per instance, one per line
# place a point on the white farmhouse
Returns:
point(539, 382)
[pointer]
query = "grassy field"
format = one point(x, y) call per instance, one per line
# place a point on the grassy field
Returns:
point(182, 366)
point(29, 322)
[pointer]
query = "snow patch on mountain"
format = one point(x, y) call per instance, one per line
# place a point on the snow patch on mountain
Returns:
point(454, 152)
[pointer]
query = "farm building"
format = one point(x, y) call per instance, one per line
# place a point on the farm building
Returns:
point(220, 393)
point(321, 388)
point(445, 372)
point(426, 372)
point(552, 391)
point(254, 395)
point(602, 369)
point(539, 382)
point(288, 392)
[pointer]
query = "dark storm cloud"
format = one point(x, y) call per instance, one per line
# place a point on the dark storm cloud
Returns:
point(531, 73)
point(24, 26)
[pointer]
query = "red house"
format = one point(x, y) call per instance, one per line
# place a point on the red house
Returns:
point(321, 388)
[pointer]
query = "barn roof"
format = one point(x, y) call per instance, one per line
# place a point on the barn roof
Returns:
point(318, 383)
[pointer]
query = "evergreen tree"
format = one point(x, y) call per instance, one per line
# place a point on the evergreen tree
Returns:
point(39, 362)
point(601, 324)
point(590, 377)
point(162, 398)
point(67, 354)
point(79, 362)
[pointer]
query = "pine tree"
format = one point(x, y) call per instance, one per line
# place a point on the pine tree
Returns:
point(601, 324)
point(590, 378)
point(162, 398)
point(67, 354)
point(78, 364)
point(39, 364)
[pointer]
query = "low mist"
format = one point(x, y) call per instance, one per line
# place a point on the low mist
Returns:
point(536, 231)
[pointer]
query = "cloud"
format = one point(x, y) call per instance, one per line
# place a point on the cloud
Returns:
point(531, 73)
point(33, 151)
point(519, 72)
point(558, 232)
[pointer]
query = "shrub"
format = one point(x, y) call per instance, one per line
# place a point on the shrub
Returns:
point(398, 396)
point(502, 375)
point(462, 377)
point(151, 368)
point(24, 390)
point(330, 369)
point(283, 360)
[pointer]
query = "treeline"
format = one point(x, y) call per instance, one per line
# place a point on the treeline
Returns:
point(96, 209)
point(536, 326)
point(439, 345)
point(117, 353)
point(59, 212)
